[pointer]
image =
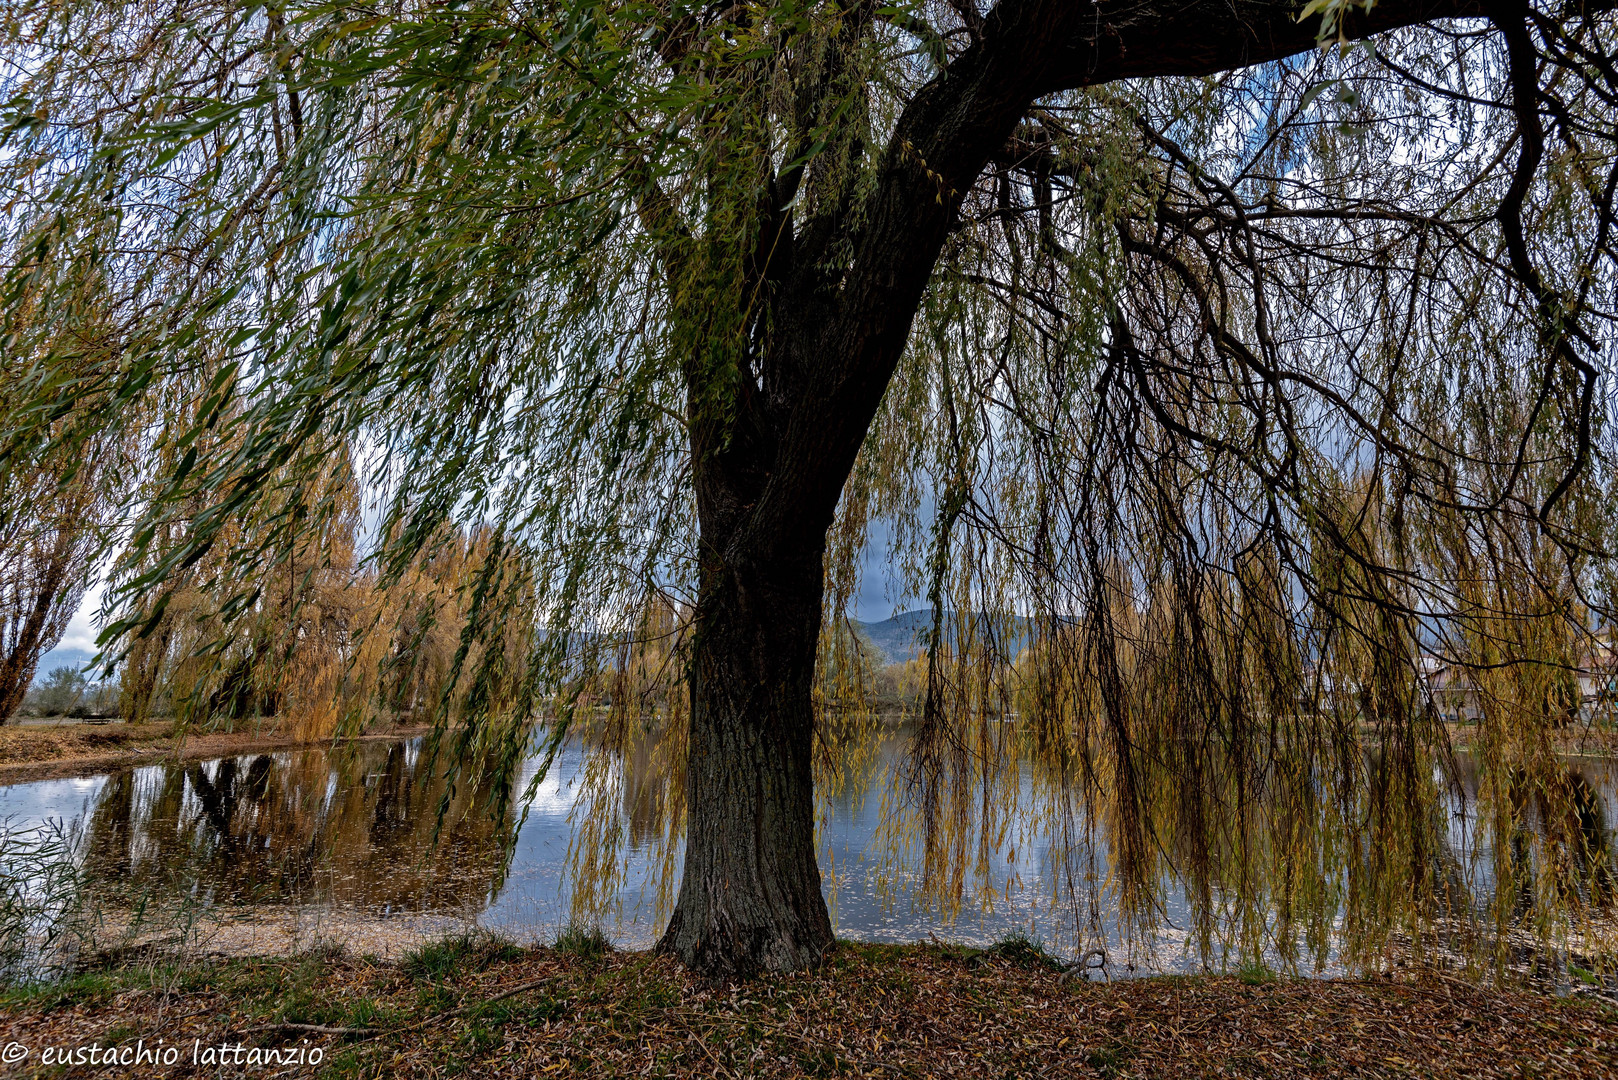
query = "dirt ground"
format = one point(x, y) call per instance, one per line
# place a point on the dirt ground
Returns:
point(491, 1010)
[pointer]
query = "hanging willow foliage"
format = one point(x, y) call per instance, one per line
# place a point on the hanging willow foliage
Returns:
point(1232, 403)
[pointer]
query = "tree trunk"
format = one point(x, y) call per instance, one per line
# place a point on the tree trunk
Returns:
point(750, 897)
point(23, 636)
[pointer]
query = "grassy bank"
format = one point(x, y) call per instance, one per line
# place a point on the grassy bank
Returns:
point(483, 1008)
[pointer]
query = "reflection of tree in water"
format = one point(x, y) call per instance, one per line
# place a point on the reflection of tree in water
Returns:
point(645, 793)
point(358, 828)
point(1286, 867)
point(1562, 844)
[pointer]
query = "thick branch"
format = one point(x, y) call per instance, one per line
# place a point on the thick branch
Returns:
point(1123, 40)
point(951, 129)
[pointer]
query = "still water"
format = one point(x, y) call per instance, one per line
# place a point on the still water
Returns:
point(356, 832)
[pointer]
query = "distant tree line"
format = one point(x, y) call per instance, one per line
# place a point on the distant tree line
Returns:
point(66, 692)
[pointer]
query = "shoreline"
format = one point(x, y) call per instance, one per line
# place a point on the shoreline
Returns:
point(35, 752)
point(31, 752)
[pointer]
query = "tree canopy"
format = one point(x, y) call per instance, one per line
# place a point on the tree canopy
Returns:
point(1227, 358)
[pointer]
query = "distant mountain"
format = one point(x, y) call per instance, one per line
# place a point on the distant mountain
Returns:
point(899, 638)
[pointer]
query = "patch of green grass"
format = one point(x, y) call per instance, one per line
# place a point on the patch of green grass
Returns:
point(258, 985)
point(873, 952)
point(965, 954)
point(436, 960)
point(1025, 952)
point(519, 1011)
point(472, 950)
point(587, 943)
point(639, 992)
point(1584, 975)
point(304, 1006)
point(523, 1010)
point(367, 1013)
point(1255, 973)
point(84, 989)
point(543, 1010)
point(659, 995)
point(197, 980)
point(281, 990)
point(344, 1066)
point(434, 998)
point(478, 1040)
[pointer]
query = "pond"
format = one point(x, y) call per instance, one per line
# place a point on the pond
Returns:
point(351, 839)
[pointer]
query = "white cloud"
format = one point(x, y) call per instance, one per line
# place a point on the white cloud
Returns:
point(82, 628)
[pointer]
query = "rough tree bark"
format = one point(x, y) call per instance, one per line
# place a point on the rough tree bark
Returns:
point(750, 898)
point(32, 618)
point(768, 483)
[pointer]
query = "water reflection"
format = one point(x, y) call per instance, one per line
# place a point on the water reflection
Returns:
point(354, 830)
point(1559, 835)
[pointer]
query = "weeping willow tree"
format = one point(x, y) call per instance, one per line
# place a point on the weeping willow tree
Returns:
point(1226, 357)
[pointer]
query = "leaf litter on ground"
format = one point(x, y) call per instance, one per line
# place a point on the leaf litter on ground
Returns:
point(921, 1011)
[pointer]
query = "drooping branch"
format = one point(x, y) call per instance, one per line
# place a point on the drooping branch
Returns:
point(1512, 23)
point(950, 131)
